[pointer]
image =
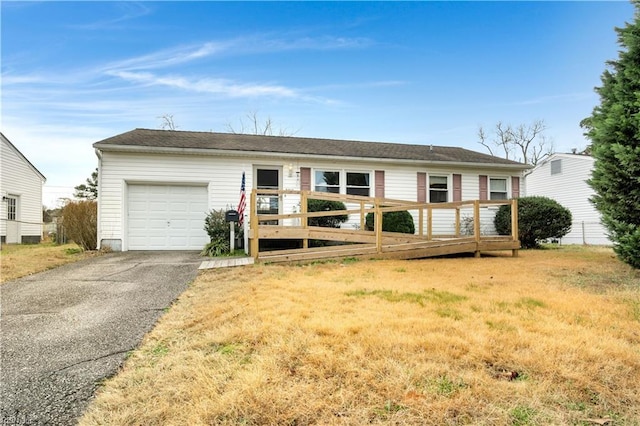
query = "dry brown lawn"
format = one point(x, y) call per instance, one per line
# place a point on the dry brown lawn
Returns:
point(549, 338)
point(19, 260)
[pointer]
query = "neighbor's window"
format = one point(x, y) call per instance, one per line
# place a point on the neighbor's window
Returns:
point(358, 183)
point(438, 189)
point(327, 181)
point(556, 167)
point(11, 208)
point(498, 189)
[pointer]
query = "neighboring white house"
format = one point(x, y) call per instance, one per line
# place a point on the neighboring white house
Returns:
point(21, 191)
point(155, 187)
point(563, 177)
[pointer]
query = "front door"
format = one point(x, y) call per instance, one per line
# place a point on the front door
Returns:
point(13, 225)
point(268, 178)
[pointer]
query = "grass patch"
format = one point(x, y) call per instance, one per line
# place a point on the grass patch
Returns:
point(19, 260)
point(529, 303)
point(522, 415)
point(430, 295)
point(490, 341)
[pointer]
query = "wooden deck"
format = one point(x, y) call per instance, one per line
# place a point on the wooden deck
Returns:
point(361, 243)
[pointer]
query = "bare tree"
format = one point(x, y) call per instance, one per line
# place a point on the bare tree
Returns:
point(253, 125)
point(525, 142)
point(167, 123)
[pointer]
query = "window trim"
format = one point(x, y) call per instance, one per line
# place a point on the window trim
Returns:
point(507, 191)
point(447, 190)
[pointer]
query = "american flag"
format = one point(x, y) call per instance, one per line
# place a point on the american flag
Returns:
point(243, 202)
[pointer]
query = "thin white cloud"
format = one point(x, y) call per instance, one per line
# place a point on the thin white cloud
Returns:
point(128, 11)
point(217, 86)
point(9, 79)
point(167, 57)
point(239, 46)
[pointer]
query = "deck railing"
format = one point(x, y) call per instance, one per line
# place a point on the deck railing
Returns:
point(465, 234)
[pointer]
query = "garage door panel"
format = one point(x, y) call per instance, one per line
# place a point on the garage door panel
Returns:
point(179, 225)
point(175, 207)
point(166, 217)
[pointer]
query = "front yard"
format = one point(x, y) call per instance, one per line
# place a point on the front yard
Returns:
point(551, 337)
point(19, 260)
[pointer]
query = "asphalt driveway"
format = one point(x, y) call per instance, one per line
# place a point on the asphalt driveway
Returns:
point(64, 330)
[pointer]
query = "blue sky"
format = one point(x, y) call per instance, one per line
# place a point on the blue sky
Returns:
point(74, 73)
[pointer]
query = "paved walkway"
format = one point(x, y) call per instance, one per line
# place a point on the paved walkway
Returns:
point(226, 262)
point(65, 330)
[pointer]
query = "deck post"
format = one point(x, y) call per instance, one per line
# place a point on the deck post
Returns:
point(476, 226)
point(421, 221)
point(429, 223)
point(304, 220)
point(458, 222)
point(378, 221)
point(514, 224)
point(254, 232)
point(362, 216)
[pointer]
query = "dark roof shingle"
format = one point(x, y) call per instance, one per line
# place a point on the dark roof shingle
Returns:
point(297, 145)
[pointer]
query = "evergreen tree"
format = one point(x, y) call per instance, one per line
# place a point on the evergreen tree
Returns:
point(88, 191)
point(614, 130)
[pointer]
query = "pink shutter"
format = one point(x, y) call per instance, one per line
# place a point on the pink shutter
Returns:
point(484, 195)
point(380, 183)
point(422, 187)
point(457, 187)
point(305, 179)
point(515, 187)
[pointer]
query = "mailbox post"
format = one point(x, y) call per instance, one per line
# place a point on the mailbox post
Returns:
point(231, 216)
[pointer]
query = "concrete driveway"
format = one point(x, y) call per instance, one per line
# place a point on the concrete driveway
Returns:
point(64, 330)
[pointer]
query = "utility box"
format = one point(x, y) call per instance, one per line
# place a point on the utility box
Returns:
point(231, 216)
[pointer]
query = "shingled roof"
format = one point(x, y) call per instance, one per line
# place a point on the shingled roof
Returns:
point(171, 139)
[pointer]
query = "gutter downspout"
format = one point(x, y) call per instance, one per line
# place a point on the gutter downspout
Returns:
point(99, 224)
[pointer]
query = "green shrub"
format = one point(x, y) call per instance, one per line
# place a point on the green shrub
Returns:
point(393, 222)
point(216, 248)
point(80, 222)
point(219, 233)
point(326, 221)
point(539, 218)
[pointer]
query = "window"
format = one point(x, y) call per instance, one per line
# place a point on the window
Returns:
point(438, 189)
point(556, 167)
point(340, 182)
point(327, 181)
point(11, 208)
point(498, 189)
point(358, 183)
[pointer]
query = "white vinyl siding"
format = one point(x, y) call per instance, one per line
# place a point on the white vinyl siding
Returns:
point(19, 180)
point(570, 189)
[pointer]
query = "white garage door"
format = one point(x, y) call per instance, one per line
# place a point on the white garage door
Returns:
point(166, 217)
